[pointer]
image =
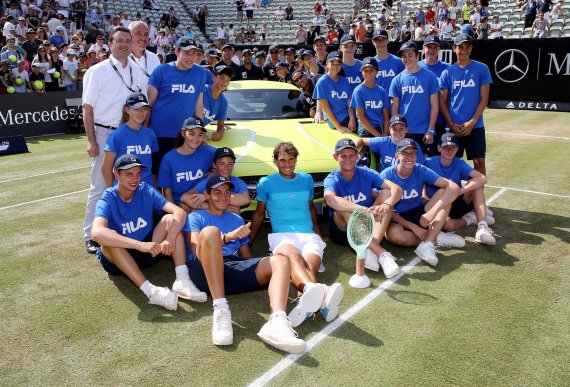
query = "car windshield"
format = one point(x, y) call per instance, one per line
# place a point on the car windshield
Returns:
point(262, 104)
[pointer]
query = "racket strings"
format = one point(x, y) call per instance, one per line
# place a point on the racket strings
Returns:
point(361, 229)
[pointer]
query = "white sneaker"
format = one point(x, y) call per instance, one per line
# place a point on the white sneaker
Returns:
point(471, 218)
point(308, 304)
point(426, 251)
point(489, 211)
point(187, 290)
point(389, 265)
point(449, 239)
point(332, 297)
point(222, 332)
point(490, 220)
point(163, 297)
point(278, 333)
point(485, 236)
point(371, 261)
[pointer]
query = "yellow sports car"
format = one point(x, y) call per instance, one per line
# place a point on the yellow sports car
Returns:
point(262, 114)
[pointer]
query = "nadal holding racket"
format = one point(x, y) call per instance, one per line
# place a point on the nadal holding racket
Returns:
point(351, 187)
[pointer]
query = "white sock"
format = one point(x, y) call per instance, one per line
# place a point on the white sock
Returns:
point(468, 221)
point(146, 288)
point(182, 272)
point(277, 314)
point(221, 303)
point(482, 224)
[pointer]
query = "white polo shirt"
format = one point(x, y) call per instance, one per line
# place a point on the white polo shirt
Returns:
point(107, 91)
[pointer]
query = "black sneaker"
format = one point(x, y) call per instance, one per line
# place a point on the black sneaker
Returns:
point(91, 246)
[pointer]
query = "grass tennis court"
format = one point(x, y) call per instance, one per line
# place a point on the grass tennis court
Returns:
point(484, 316)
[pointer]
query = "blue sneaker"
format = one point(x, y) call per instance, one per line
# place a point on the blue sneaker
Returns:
point(331, 301)
point(308, 304)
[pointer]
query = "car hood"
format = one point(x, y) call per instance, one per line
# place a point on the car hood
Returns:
point(253, 143)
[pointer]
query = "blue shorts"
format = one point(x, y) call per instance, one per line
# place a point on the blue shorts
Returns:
point(363, 133)
point(475, 144)
point(239, 275)
point(337, 236)
point(143, 261)
point(414, 215)
point(459, 208)
point(342, 123)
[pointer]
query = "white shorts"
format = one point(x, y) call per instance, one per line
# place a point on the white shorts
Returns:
point(305, 243)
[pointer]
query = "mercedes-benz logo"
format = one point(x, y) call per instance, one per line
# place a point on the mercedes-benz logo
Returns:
point(511, 65)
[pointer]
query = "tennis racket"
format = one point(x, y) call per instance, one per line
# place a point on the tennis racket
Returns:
point(360, 232)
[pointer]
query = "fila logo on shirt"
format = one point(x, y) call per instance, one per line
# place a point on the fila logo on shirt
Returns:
point(130, 227)
point(462, 83)
point(353, 80)
point(188, 176)
point(373, 104)
point(385, 73)
point(208, 116)
point(335, 94)
point(410, 195)
point(138, 150)
point(390, 160)
point(361, 197)
point(412, 89)
point(182, 88)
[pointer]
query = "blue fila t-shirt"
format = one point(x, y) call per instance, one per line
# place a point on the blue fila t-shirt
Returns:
point(387, 70)
point(226, 222)
point(142, 143)
point(373, 100)
point(412, 185)
point(336, 93)
point(214, 109)
point(353, 74)
point(135, 218)
point(414, 91)
point(239, 185)
point(436, 69)
point(464, 86)
point(457, 172)
point(178, 93)
point(288, 201)
point(358, 190)
point(386, 149)
point(181, 172)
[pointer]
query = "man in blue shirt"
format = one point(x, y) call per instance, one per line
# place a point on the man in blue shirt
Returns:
point(175, 90)
point(469, 207)
point(388, 65)
point(351, 187)
point(414, 94)
point(215, 104)
point(350, 64)
point(414, 222)
point(221, 263)
point(288, 198)
point(432, 63)
point(124, 227)
point(464, 97)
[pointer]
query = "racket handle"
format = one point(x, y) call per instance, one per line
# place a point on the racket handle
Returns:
point(360, 267)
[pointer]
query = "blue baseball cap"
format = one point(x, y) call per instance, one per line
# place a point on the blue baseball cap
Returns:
point(335, 55)
point(319, 37)
point(462, 38)
point(380, 34)
point(185, 44)
point(347, 39)
point(212, 52)
point(406, 143)
point(137, 100)
point(369, 62)
point(281, 65)
point(127, 162)
point(223, 69)
point(409, 45)
point(398, 119)
point(344, 143)
point(307, 52)
point(448, 139)
point(432, 39)
point(193, 122)
point(224, 152)
point(217, 181)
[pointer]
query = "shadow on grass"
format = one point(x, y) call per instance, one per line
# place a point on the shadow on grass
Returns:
point(54, 137)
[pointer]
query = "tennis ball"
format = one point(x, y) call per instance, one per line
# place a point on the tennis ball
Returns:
point(19, 81)
point(38, 84)
point(12, 58)
point(11, 90)
point(56, 75)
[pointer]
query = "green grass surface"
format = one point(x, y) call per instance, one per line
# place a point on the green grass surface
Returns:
point(484, 316)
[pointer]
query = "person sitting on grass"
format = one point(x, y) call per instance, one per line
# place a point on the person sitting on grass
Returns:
point(288, 198)
point(224, 160)
point(352, 187)
point(415, 223)
point(385, 147)
point(221, 263)
point(130, 241)
point(469, 207)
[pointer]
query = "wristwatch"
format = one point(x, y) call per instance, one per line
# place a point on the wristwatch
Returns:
point(432, 131)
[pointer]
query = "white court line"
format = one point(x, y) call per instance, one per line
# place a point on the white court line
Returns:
point(286, 362)
point(42, 174)
point(528, 191)
point(527, 135)
point(44, 199)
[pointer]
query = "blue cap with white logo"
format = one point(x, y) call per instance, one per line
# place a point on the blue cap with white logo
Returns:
point(335, 55)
